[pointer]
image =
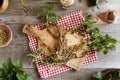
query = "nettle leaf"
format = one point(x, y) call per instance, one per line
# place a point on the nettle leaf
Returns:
point(110, 77)
point(18, 64)
point(1, 72)
point(98, 41)
point(7, 65)
point(105, 51)
point(118, 74)
point(29, 77)
point(47, 14)
point(51, 59)
point(21, 76)
point(1, 78)
point(10, 71)
point(98, 75)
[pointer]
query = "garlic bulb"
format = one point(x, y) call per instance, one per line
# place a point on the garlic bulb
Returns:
point(67, 2)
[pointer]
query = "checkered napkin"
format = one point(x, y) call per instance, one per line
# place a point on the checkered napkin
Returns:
point(71, 20)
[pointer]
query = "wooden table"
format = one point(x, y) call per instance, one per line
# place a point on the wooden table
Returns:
point(18, 48)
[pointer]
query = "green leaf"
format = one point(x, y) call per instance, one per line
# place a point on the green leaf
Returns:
point(98, 75)
point(18, 64)
point(98, 41)
point(42, 61)
point(7, 65)
point(21, 76)
point(1, 72)
point(51, 59)
point(105, 51)
point(110, 77)
point(47, 14)
point(1, 78)
point(118, 74)
point(31, 55)
point(29, 77)
point(10, 71)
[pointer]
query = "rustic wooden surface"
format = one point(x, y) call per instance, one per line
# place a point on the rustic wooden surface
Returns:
point(18, 48)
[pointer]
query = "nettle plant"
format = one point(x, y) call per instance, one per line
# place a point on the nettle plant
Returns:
point(13, 71)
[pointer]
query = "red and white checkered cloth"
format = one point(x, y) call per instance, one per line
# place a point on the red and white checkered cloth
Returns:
point(71, 20)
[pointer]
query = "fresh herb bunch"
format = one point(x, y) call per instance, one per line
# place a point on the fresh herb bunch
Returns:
point(47, 14)
point(114, 75)
point(13, 71)
point(98, 41)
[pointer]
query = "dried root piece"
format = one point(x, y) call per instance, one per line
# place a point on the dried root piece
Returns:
point(80, 53)
point(74, 39)
point(75, 63)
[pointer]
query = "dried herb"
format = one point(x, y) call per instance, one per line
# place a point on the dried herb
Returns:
point(3, 36)
point(61, 55)
point(42, 60)
point(13, 71)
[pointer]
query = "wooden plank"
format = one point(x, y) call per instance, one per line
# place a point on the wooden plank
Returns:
point(15, 19)
point(112, 28)
point(83, 74)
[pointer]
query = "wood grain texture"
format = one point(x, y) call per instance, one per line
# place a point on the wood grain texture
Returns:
point(84, 74)
point(18, 48)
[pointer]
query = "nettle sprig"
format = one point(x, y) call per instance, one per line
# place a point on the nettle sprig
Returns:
point(98, 41)
point(41, 60)
point(13, 71)
point(47, 14)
